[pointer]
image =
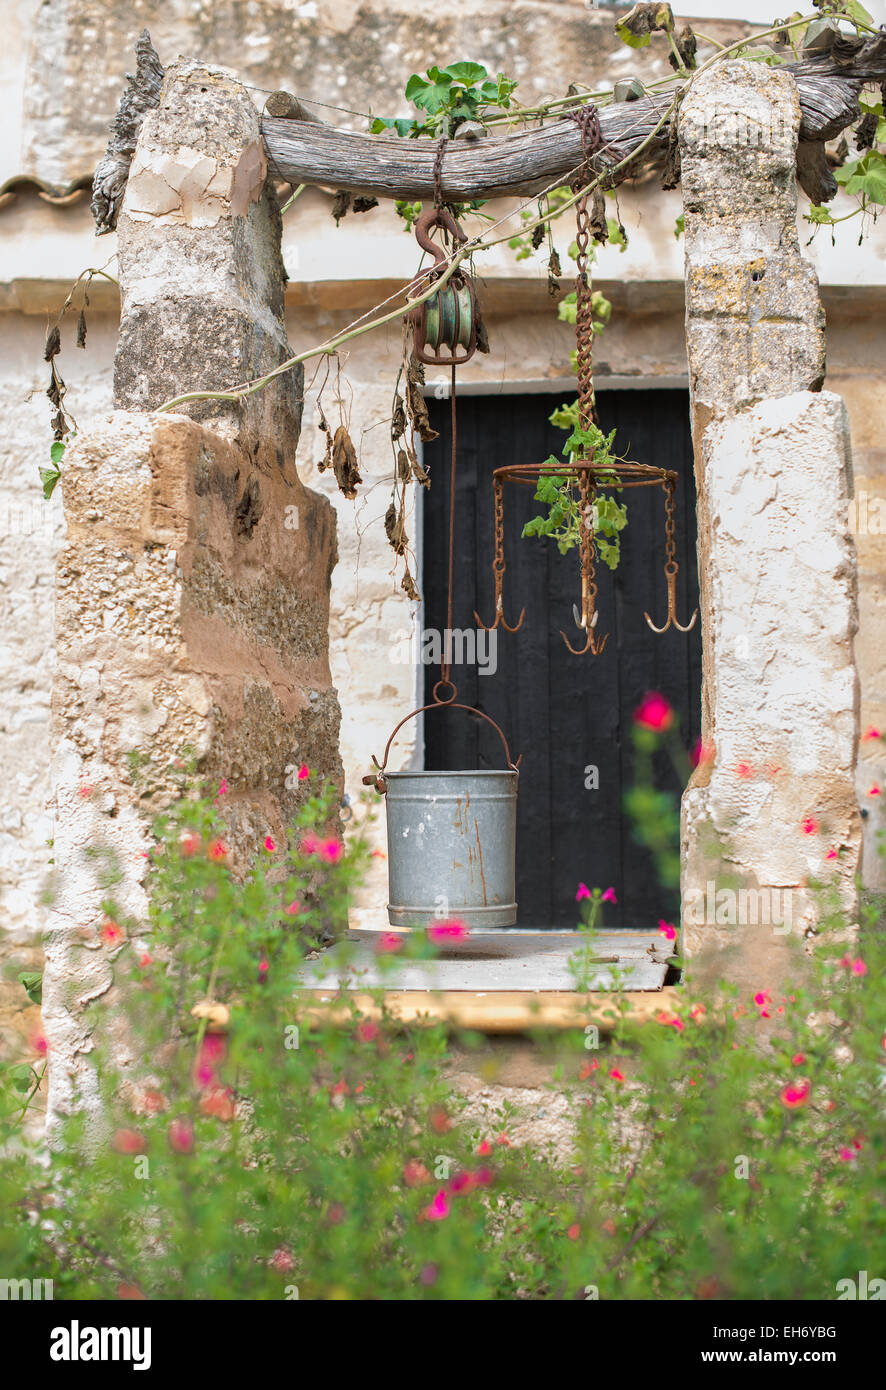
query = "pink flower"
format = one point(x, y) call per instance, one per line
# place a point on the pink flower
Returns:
point(762, 998)
point(331, 851)
point(871, 734)
point(608, 896)
point(282, 1261)
point(222, 787)
point(144, 961)
point(874, 790)
point(670, 1020)
point(389, 942)
point(367, 1031)
point(218, 851)
point(310, 843)
point(39, 1044)
point(616, 1074)
point(303, 772)
point(439, 1208)
point(293, 909)
point(128, 1141)
point(85, 791)
point(484, 1148)
point(654, 712)
point(269, 844)
point(583, 892)
point(111, 933)
point(744, 770)
point(667, 929)
point(378, 854)
point(846, 1155)
point(809, 826)
point(449, 931)
point(574, 1231)
point(858, 967)
point(832, 854)
point(798, 1059)
point(188, 843)
point(795, 1094)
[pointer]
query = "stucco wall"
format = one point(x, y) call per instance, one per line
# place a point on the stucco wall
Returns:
point(61, 73)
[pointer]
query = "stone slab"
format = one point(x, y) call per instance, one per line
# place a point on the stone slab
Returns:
point(491, 961)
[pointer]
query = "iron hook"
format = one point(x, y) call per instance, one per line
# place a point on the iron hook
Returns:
point(671, 577)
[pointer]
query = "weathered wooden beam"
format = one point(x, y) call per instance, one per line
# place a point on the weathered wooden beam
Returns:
point(301, 149)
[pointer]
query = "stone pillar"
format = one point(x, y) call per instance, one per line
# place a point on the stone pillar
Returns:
point(771, 807)
point(192, 593)
point(201, 270)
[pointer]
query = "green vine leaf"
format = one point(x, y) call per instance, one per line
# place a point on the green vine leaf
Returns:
point(866, 176)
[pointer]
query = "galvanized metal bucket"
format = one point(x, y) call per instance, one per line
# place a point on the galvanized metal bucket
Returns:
point(452, 847)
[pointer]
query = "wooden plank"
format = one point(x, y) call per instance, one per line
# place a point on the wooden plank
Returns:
point(500, 1012)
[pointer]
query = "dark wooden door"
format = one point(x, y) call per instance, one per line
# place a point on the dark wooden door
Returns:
point(565, 714)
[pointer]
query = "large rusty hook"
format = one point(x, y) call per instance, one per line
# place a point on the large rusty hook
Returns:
point(500, 619)
point(437, 217)
point(671, 577)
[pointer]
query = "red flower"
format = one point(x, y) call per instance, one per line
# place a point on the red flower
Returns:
point(111, 933)
point(744, 770)
point(616, 1074)
point(367, 1031)
point(128, 1141)
point(874, 791)
point(181, 1136)
point(484, 1148)
point(795, 1094)
point(389, 942)
point(798, 1059)
point(415, 1174)
point(269, 844)
point(587, 1069)
point(574, 1231)
point(293, 908)
point(219, 1102)
point(654, 712)
point(188, 843)
point(670, 1020)
point(809, 826)
point(218, 851)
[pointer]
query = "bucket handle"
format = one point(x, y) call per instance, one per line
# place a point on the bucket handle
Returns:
point(377, 779)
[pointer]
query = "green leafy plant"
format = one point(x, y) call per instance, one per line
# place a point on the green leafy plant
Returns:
point(564, 519)
point(448, 97)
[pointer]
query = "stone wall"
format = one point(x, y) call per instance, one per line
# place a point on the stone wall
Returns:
point(772, 806)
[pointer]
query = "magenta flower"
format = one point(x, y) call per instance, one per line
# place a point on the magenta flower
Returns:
point(439, 1208)
point(846, 1155)
point(311, 843)
point(858, 967)
point(874, 791)
point(389, 942)
point(331, 851)
point(654, 712)
point(667, 929)
point(616, 1074)
point(583, 892)
point(809, 825)
point(871, 734)
point(608, 896)
point(222, 787)
point(795, 1094)
point(181, 1136)
point(449, 931)
point(269, 844)
point(303, 772)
